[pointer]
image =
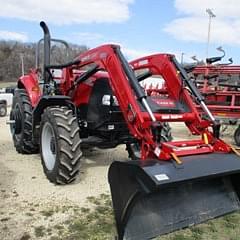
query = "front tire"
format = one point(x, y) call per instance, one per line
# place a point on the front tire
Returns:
point(60, 145)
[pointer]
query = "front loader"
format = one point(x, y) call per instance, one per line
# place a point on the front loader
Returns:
point(175, 184)
point(98, 101)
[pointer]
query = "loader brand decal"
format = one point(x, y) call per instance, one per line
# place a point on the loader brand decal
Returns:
point(103, 55)
point(143, 62)
point(93, 56)
point(172, 116)
point(140, 63)
point(89, 57)
point(161, 177)
point(164, 102)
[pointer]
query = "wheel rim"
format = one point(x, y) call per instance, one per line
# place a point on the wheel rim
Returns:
point(48, 143)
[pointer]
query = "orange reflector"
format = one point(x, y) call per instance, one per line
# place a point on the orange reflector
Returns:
point(205, 138)
point(35, 89)
point(175, 157)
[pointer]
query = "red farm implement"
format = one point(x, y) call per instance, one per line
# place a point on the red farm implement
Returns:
point(220, 84)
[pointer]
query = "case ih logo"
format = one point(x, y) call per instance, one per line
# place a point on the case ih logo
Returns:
point(164, 103)
point(141, 63)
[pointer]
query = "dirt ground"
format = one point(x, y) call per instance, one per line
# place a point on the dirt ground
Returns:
point(28, 200)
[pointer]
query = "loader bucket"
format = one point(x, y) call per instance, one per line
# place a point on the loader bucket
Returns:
point(152, 197)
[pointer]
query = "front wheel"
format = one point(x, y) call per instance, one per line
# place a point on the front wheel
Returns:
point(60, 145)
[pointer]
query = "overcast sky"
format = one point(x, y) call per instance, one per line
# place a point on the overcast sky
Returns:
point(139, 26)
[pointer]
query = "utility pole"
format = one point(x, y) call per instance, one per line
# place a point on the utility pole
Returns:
point(182, 57)
point(211, 15)
point(22, 63)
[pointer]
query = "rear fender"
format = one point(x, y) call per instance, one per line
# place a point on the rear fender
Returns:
point(48, 101)
point(43, 103)
point(30, 83)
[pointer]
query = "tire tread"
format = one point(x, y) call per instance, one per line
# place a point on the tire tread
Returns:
point(68, 143)
point(25, 144)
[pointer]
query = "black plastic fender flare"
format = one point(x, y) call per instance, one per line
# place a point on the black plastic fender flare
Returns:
point(48, 101)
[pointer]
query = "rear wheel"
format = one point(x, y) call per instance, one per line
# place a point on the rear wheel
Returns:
point(60, 145)
point(133, 149)
point(3, 110)
point(21, 128)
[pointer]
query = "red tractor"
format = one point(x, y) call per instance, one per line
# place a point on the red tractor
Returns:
point(98, 101)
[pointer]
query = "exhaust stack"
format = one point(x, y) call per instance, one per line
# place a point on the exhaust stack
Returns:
point(47, 47)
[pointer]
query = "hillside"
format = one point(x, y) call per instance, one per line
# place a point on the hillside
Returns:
point(13, 54)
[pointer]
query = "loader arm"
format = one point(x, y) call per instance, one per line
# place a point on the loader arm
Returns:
point(143, 121)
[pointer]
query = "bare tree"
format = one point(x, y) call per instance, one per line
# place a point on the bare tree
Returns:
point(13, 53)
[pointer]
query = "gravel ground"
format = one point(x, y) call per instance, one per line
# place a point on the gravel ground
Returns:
point(25, 193)
point(24, 185)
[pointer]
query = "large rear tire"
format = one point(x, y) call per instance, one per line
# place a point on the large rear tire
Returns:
point(21, 129)
point(60, 145)
point(133, 149)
